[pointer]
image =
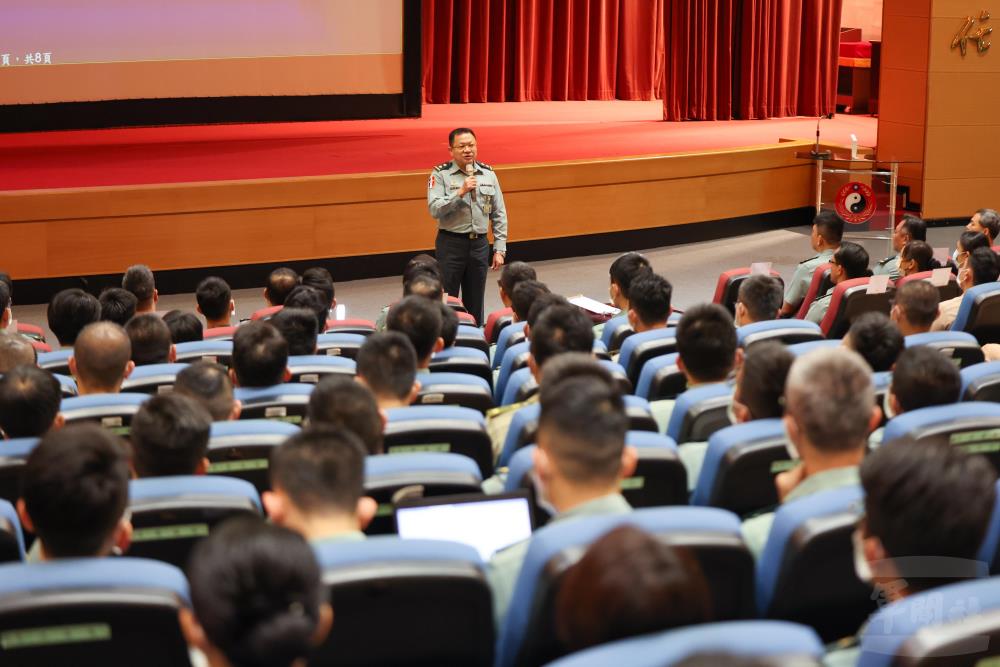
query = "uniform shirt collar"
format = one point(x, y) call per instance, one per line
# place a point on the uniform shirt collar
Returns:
point(613, 503)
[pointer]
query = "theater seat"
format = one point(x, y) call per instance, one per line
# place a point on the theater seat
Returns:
point(615, 331)
point(67, 385)
point(661, 378)
point(465, 317)
point(496, 322)
point(405, 602)
point(56, 362)
point(776, 642)
point(945, 292)
point(527, 635)
point(455, 303)
point(820, 283)
point(727, 287)
point(112, 411)
point(514, 358)
point(153, 378)
point(463, 360)
point(461, 389)
point(806, 571)
point(281, 402)
point(448, 429)
point(510, 336)
point(92, 611)
point(265, 313)
point(979, 313)
point(981, 382)
point(219, 333)
point(641, 347)
point(422, 474)
point(521, 385)
point(171, 514)
point(39, 346)
point(850, 300)
point(355, 326)
point(311, 368)
point(973, 426)
point(960, 347)
point(989, 552)
point(339, 344)
point(11, 537)
point(788, 332)
point(31, 331)
point(13, 455)
point(218, 351)
point(471, 337)
point(242, 449)
point(700, 412)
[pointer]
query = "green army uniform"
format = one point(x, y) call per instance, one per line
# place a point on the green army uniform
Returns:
point(797, 287)
point(498, 423)
point(888, 266)
point(505, 566)
point(817, 311)
point(382, 316)
point(757, 529)
point(662, 409)
point(349, 536)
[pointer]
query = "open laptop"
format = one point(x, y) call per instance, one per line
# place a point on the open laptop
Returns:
point(486, 523)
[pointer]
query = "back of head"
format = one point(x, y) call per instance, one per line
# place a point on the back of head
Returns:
point(425, 284)
point(877, 339)
point(101, 355)
point(422, 263)
point(629, 583)
point(542, 303)
point(969, 241)
point(514, 273)
point(830, 226)
point(150, 339)
point(15, 350)
point(319, 278)
point(298, 326)
point(184, 327)
point(260, 355)
point(649, 296)
point(853, 259)
point(169, 434)
point(984, 266)
point(256, 592)
point(280, 283)
point(625, 268)
point(582, 429)
point(138, 280)
point(387, 363)
point(117, 305)
point(923, 377)
point(419, 319)
point(990, 220)
point(560, 328)
point(75, 489)
point(761, 384)
point(915, 227)
point(924, 500)
point(29, 402)
point(830, 397)
point(321, 469)
point(207, 383)
point(524, 295)
point(921, 253)
point(706, 342)
point(214, 296)
point(312, 300)
point(69, 312)
point(573, 364)
point(342, 403)
point(761, 296)
point(918, 301)
point(449, 324)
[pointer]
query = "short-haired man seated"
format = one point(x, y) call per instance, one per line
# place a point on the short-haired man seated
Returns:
point(419, 319)
point(117, 305)
point(981, 267)
point(827, 232)
point(260, 356)
point(758, 300)
point(829, 412)
point(311, 299)
point(169, 435)
point(341, 402)
point(280, 283)
point(621, 273)
point(209, 384)
point(915, 307)
point(29, 403)
point(15, 350)
point(215, 302)
point(74, 491)
point(849, 262)
point(298, 326)
point(387, 365)
point(102, 359)
point(139, 280)
point(69, 312)
point(649, 302)
point(877, 339)
point(150, 339)
point(985, 221)
point(317, 482)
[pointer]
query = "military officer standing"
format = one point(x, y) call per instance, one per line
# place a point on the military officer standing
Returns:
point(464, 196)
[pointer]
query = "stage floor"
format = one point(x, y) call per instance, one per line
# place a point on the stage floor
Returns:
point(511, 133)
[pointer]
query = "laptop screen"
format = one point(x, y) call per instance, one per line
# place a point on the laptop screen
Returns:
point(486, 523)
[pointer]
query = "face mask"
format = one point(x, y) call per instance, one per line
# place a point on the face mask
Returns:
point(793, 452)
point(861, 567)
point(731, 414)
point(887, 408)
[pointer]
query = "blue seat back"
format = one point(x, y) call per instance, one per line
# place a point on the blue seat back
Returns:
point(112, 411)
point(13, 455)
point(339, 344)
point(959, 346)
point(700, 412)
point(513, 359)
point(981, 382)
point(311, 368)
point(615, 331)
point(798, 349)
point(520, 386)
point(641, 347)
point(471, 337)
point(446, 429)
point(67, 385)
point(242, 449)
point(788, 332)
point(11, 536)
point(281, 402)
point(972, 425)
point(979, 313)
point(56, 361)
point(456, 389)
point(152, 378)
point(989, 552)
point(661, 378)
point(513, 331)
point(216, 351)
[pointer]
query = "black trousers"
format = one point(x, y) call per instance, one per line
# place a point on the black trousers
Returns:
point(464, 264)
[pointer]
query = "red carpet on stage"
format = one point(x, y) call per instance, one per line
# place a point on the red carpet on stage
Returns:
point(510, 133)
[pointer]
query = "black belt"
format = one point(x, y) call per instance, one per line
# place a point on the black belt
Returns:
point(462, 235)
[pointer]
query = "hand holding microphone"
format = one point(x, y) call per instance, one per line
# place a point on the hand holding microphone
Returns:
point(470, 181)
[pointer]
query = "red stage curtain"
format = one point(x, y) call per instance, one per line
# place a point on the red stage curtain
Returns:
point(698, 81)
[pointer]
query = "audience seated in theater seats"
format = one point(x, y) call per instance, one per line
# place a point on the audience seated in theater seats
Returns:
point(138, 280)
point(317, 482)
point(184, 327)
point(827, 232)
point(927, 507)
point(707, 352)
point(5, 301)
point(758, 394)
point(829, 412)
point(15, 350)
point(311, 299)
point(320, 279)
point(344, 403)
point(915, 307)
point(968, 241)
point(849, 262)
point(260, 356)
point(102, 359)
point(910, 228)
point(422, 276)
point(117, 305)
point(916, 257)
point(524, 295)
point(169, 436)
point(579, 463)
point(209, 384)
point(629, 583)
point(280, 283)
point(980, 267)
point(298, 326)
point(69, 312)
point(621, 274)
point(387, 365)
point(555, 327)
point(257, 598)
point(215, 302)
point(877, 339)
point(510, 276)
point(29, 403)
point(449, 325)
point(985, 221)
point(150, 339)
point(758, 300)
point(419, 319)
point(74, 490)
point(649, 302)
point(922, 377)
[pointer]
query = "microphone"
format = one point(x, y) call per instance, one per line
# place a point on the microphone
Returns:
point(469, 172)
point(816, 152)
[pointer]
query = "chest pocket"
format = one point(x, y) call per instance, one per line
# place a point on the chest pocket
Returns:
point(487, 189)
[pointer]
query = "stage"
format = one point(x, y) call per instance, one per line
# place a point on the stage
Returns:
point(188, 198)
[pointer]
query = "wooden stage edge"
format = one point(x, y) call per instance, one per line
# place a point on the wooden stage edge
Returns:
point(70, 233)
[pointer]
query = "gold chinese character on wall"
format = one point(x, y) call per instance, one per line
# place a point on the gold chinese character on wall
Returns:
point(980, 36)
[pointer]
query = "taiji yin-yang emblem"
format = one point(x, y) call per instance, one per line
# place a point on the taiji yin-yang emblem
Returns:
point(855, 203)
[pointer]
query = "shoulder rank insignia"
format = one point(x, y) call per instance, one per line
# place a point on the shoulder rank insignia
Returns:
point(485, 166)
point(443, 166)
